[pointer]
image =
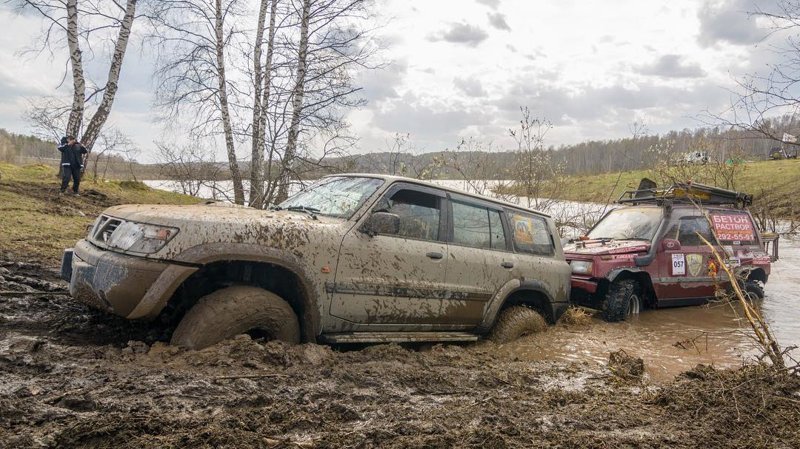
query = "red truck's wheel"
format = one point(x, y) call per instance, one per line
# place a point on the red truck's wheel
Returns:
point(622, 300)
point(235, 310)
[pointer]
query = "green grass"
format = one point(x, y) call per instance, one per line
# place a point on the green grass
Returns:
point(36, 224)
point(774, 184)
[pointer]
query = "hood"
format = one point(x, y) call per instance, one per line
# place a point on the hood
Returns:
point(605, 247)
point(204, 224)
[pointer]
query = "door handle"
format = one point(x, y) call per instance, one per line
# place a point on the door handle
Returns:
point(434, 255)
point(507, 264)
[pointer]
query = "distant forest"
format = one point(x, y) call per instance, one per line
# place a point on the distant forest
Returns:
point(591, 157)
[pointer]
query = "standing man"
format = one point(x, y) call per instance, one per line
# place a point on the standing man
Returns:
point(71, 163)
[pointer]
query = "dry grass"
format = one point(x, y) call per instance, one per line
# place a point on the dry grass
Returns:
point(575, 316)
point(37, 223)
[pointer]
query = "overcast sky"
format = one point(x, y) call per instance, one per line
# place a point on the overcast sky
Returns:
point(463, 68)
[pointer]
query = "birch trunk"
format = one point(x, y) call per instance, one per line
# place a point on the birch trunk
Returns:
point(76, 62)
point(101, 115)
point(236, 176)
point(262, 80)
point(297, 105)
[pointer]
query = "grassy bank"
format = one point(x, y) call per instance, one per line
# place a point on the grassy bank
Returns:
point(757, 178)
point(36, 223)
point(775, 186)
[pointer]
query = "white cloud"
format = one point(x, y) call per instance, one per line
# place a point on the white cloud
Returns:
point(590, 67)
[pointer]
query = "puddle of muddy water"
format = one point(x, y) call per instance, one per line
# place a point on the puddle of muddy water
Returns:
point(674, 340)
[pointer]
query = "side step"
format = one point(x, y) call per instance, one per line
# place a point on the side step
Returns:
point(397, 337)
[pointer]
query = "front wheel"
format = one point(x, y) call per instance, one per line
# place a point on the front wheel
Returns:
point(754, 290)
point(623, 300)
point(235, 310)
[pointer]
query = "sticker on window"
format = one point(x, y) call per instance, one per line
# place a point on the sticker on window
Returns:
point(733, 227)
point(523, 230)
point(678, 265)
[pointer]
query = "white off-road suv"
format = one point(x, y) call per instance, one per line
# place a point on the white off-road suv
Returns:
point(353, 258)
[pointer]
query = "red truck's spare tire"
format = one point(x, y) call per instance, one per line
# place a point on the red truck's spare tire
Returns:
point(235, 310)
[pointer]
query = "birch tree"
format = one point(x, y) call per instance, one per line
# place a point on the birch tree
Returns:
point(76, 26)
point(262, 81)
point(193, 38)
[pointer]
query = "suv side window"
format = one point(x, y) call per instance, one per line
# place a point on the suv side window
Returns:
point(686, 228)
point(531, 234)
point(419, 213)
point(477, 227)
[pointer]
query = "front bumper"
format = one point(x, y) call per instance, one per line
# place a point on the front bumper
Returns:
point(586, 284)
point(110, 281)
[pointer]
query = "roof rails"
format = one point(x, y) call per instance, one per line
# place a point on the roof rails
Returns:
point(688, 192)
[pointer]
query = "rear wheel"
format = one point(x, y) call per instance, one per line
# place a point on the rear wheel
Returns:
point(235, 310)
point(515, 322)
point(623, 300)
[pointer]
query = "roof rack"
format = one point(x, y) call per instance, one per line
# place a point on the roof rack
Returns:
point(688, 192)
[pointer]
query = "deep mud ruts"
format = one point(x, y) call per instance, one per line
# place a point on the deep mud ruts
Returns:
point(71, 377)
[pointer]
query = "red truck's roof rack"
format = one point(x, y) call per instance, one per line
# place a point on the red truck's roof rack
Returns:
point(687, 192)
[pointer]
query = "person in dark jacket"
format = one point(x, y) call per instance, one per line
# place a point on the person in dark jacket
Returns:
point(71, 162)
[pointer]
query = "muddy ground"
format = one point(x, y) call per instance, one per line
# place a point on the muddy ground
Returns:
point(70, 377)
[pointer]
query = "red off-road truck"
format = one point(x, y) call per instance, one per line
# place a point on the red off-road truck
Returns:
point(647, 253)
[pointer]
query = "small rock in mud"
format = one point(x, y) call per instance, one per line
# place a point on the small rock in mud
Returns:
point(77, 403)
point(136, 347)
point(625, 366)
point(316, 354)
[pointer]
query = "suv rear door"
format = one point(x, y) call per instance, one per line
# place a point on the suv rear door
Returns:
point(684, 276)
point(480, 261)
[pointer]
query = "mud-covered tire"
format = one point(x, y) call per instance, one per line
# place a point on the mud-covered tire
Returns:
point(515, 322)
point(235, 310)
point(622, 301)
point(754, 289)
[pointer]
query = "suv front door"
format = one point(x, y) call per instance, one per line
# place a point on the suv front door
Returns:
point(395, 281)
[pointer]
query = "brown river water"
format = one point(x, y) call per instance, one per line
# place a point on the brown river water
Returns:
point(674, 340)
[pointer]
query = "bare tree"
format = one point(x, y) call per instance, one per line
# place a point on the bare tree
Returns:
point(193, 37)
point(332, 41)
point(760, 97)
point(83, 23)
point(191, 167)
point(535, 171)
point(262, 78)
point(111, 141)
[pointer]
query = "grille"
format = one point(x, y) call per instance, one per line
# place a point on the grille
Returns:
point(105, 227)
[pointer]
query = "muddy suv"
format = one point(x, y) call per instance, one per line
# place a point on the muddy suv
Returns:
point(354, 258)
point(648, 252)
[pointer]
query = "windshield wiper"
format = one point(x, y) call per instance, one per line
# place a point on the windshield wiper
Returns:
point(309, 210)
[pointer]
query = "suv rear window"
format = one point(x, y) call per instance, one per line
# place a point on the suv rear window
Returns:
point(733, 228)
point(477, 227)
point(531, 234)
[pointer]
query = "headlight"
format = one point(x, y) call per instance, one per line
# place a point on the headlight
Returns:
point(140, 237)
point(581, 266)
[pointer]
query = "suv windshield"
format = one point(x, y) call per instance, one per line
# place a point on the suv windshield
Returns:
point(630, 223)
point(338, 196)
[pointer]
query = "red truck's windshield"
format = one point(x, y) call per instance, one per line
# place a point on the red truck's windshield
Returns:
point(628, 223)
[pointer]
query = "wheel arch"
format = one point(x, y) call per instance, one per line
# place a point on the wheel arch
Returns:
point(533, 294)
point(220, 265)
point(642, 278)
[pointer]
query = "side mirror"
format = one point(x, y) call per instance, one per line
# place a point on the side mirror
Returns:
point(381, 223)
point(670, 245)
